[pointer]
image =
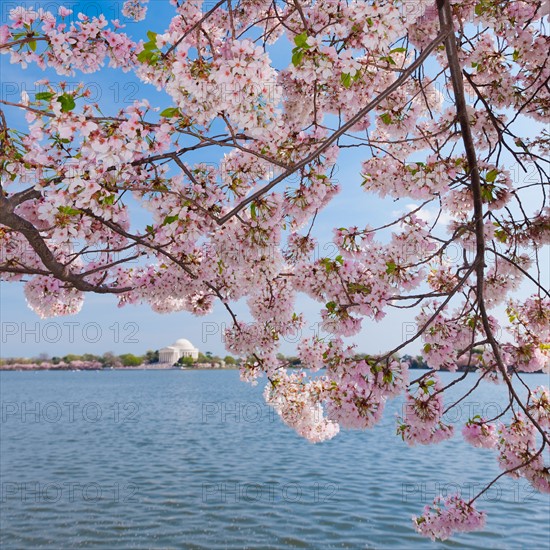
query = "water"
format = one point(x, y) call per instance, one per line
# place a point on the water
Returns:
point(194, 459)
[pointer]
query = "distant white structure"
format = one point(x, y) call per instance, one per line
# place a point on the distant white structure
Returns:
point(181, 348)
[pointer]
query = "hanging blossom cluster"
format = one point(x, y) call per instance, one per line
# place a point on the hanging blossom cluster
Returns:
point(447, 516)
point(50, 297)
point(297, 403)
point(422, 420)
point(479, 433)
point(530, 328)
point(218, 198)
point(519, 454)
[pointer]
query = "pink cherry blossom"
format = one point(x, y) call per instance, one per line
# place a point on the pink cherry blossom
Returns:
point(447, 516)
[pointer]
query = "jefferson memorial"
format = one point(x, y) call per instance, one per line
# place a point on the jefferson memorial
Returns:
point(181, 348)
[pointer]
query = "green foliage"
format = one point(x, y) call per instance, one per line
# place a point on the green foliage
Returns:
point(170, 112)
point(67, 102)
point(391, 267)
point(130, 360)
point(69, 211)
point(151, 53)
point(151, 356)
point(71, 357)
point(491, 176)
point(44, 96)
point(301, 46)
point(170, 219)
point(345, 79)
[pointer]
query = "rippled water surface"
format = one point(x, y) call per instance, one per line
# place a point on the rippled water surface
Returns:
point(194, 459)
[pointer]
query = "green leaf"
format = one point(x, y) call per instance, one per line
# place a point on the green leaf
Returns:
point(339, 260)
point(386, 118)
point(68, 210)
point(170, 219)
point(170, 112)
point(147, 56)
point(430, 382)
point(515, 55)
point(345, 78)
point(32, 45)
point(43, 96)
point(398, 50)
point(478, 9)
point(329, 265)
point(152, 36)
point(150, 229)
point(142, 56)
point(391, 266)
point(253, 211)
point(109, 199)
point(487, 193)
point(427, 348)
point(67, 103)
point(358, 288)
point(301, 40)
point(331, 306)
point(501, 235)
point(297, 57)
point(491, 176)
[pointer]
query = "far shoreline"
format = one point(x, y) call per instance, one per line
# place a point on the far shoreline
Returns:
point(34, 368)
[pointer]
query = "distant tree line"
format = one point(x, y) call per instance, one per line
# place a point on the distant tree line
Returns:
point(107, 360)
point(207, 358)
point(110, 360)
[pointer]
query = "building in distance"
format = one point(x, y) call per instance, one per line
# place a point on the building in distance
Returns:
point(180, 348)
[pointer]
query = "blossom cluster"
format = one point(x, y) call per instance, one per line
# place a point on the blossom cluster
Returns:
point(422, 420)
point(447, 516)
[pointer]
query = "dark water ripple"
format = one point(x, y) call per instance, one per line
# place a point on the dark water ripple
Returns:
point(194, 459)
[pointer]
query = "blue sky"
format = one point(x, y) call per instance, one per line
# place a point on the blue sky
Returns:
point(101, 326)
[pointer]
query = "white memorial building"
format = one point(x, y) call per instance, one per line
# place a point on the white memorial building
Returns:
point(181, 348)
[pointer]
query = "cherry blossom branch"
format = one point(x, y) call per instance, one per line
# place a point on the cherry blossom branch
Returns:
point(57, 269)
point(192, 28)
point(508, 471)
point(445, 17)
point(352, 122)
